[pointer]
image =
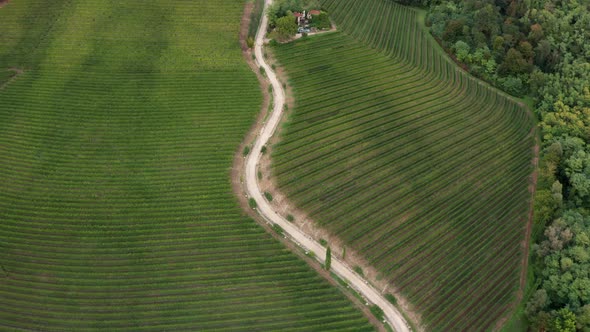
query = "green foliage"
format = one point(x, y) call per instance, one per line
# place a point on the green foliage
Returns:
point(255, 18)
point(377, 312)
point(358, 270)
point(513, 85)
point(540, 47)
point(246, 150)
point(286, 27)
point(250, 42)
point(263, 148)
point(115, 149)
point(252, 203)
point(278, 229)
point(390, 80)
point(564, 321)
point(321, 21)
point(323, 242)
point(282, 8)
point(290, 218)
point(391, 298)
point(268, 196)
point(5, 76)
point(328, 261)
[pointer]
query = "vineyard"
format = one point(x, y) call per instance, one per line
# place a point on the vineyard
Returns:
point(116, 143)
point(420, 168)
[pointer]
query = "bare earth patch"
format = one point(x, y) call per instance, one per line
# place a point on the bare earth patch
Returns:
point(3, 2)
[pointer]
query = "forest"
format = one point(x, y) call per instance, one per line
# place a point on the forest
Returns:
point(539, 50)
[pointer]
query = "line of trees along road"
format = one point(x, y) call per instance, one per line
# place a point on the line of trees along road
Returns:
point(539, 49)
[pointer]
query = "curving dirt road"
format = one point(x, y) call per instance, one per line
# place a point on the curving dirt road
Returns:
point(392, 315)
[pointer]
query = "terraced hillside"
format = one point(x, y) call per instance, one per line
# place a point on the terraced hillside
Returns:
point(420, 168)
point(116, 211)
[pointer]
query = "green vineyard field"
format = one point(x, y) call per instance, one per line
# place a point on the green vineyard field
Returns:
point(420, 168)
point(116, 207)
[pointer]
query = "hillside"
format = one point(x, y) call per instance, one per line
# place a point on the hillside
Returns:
point(423, 170)
point(116, 141)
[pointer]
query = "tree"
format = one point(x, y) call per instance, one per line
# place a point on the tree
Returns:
point(321, 21)
point(527, 50)
point(286, 27)
point(513, 85)
point(328, 262)
point(453, 31)
point(462, 50)
point(537, 304)
point(514, 63)
point(583, 318)
point(536, 33)
point(564, 321)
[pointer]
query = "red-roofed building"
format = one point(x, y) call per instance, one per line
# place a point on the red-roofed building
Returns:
point(298, 17)
point(314, 12)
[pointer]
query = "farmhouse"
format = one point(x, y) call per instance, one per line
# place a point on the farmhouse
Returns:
point(299, 17)
point(305, 18)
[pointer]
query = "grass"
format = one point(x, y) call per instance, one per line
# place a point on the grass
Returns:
point(5, 76)
point(116, 206)
point(255, 17)
point(420, 168)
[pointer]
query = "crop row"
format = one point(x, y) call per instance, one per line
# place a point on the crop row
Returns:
point(419, 167)
point(116, 208)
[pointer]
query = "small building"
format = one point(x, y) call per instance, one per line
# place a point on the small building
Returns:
point(299, 17)
point(313, 12)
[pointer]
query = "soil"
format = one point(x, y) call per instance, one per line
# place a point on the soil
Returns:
point(3, 2)
point(237, 172)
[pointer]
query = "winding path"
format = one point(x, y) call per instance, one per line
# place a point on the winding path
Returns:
point(391, 313)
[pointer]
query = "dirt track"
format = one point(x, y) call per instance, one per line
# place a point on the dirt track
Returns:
point(392, 315)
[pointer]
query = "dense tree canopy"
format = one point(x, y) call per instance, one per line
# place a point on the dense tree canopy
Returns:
point(540, 48)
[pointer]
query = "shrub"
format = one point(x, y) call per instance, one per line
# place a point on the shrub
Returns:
point(391, 298)
point(250, 42)
point(252, 203)
point(246, 150)
point(377, 312)
point(259, 175)
point(323, 242)
point(290, 218)
point(358, 270)
point(278, 229)
point(263, 149)
point(328, 259)
point(268, 196)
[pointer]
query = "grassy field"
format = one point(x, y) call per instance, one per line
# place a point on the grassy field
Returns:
point(116, 143)
point(419, 167)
